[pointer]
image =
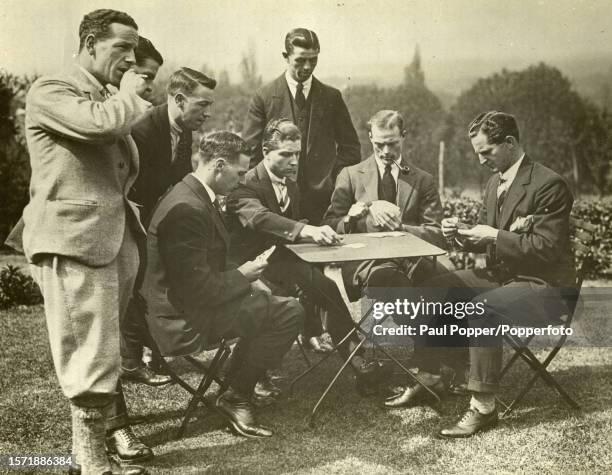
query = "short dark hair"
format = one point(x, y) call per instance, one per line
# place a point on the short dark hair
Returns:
point(146, 50)
point(97, 23)
point(279, 130)
point(185, 80)
point(302, 38)
point(386, 119)
point(495, 125)
point(222, 144)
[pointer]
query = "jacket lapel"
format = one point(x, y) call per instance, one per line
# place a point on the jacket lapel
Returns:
point(162, 123)
point(491, 201)
point(405, 188)
point(198, 189)
point(282, 99)
point(516, 192)
point(266, 186)
point(294, 196)
point(369, 170)
point(317, 105)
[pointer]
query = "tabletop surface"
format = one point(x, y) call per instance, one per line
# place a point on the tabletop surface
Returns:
point(367, 246)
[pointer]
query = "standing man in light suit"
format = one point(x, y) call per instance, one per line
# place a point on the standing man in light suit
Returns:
point(329, 140)
point(79, 227)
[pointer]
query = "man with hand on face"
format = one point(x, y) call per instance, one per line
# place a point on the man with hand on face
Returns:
point(267, 208)
point(524, 228)
point(329, 141)
point(385, 193)
point(80, 229)
point(194, 298)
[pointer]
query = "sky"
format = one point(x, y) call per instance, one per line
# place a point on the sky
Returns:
point(359, 38)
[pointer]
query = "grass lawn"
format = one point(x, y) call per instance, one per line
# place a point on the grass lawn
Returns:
point(353, 435)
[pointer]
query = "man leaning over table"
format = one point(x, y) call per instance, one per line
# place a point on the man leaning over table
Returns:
point(266, 210)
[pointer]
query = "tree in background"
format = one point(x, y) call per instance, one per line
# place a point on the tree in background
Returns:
point(14, 159)
point(558, 127)
point(423, 113)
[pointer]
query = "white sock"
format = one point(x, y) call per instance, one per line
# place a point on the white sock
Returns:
point(483, 402)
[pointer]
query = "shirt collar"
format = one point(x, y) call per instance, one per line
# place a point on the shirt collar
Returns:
point(211, 193)
point(508, 176)
point(394, 169)
point(273, 177)
point(292, 83)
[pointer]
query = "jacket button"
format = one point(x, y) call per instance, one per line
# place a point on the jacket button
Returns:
point(121, 165)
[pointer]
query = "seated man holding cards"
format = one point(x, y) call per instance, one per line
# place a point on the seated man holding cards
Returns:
point(194, 298)
point(266, 211)
point(524, 228)
point(385, 193)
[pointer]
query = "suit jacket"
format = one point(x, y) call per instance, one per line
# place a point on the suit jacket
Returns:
point(256, 217)
point(543, 250)
point(417, 199)
point(332, 141)
point(83, 164)
point(186, 281)
point(157, 171)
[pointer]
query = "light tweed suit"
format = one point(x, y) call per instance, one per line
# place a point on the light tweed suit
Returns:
point(79, 227)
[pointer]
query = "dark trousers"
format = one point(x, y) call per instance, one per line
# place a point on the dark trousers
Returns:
point(133, 330)
point(519, 303)
point(267, 326)
point(287, 270)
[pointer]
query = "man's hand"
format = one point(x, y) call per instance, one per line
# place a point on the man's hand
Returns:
point(133, 83)
point(259, 285)
point(358, 210)
point(322, 235)
point(479, 234)
point(385, 215)
point(252, 270)
point(449, 227)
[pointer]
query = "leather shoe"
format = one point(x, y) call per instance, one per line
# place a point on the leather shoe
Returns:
point(238, 412)
point(116, 469)
point(265, 388)
point(127, 447)
point(144, 374)
point(412, 395)
point(471, 423)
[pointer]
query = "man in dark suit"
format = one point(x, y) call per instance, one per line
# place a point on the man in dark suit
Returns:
point(386, 193)
point(193, 297)
point(164, 140)
point(524, 228)
point(266, 208)
point(329, 141)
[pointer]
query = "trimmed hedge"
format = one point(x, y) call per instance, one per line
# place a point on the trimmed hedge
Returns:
point(598, 213)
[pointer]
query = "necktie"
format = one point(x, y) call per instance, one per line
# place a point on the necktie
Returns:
point(217, 207)
point(388, 184)
point(502, 192)
point(300, 99)
point(183, 148)
point(284, 198)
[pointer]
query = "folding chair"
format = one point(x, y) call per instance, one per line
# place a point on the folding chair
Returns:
point(209, 373)
point(583, 241)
